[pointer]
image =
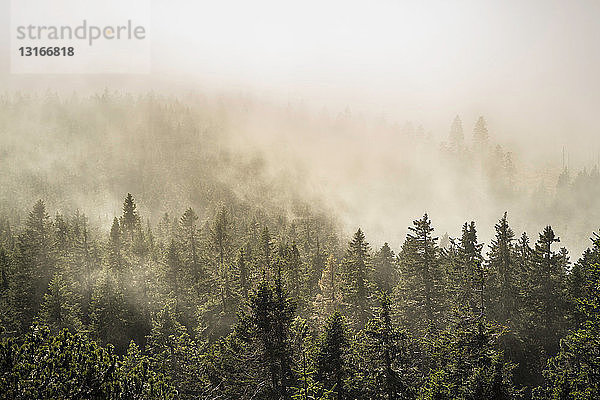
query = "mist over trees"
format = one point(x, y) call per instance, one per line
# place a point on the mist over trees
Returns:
point(217, 276)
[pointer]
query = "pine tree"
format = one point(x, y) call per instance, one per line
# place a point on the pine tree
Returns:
point(385, 274)
point(176, 353)
point(468, 274)
point(108, 313)
point(331, 356)
point(270, 319)
point(546, 296)
point(304, 346)
point(34, 264)
point(60, 308)
point(387, 355)
point(84, 261)
point(315, 268)
point(420, 290)
point(503, 291)
point(61, 235)
point(130, 220)
point(356, 272)
point(221, 237)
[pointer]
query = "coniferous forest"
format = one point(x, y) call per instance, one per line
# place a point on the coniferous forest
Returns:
point(142, 256)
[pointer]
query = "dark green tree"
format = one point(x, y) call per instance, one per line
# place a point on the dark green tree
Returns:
point(60, 308)
point(385, 269)
point(130, 220)
point(35, 264)
point(356, 273)
point(420, 290)
point(331, 356)
point(386, 356)
point(503, 290)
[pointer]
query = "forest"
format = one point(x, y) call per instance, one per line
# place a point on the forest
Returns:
point(144, 257)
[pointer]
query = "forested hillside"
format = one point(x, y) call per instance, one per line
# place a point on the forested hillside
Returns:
point(216, 276)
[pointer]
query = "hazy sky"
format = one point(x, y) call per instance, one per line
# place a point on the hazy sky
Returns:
point(530, 66)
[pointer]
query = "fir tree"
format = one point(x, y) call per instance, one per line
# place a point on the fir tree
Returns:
point(331, 356)
point(387, 356)
point(108, 313)
point(385, 272)
point(421, 287)
point(356, 271)
point(34, 264)
point(130, 219)
point(60, 308)
point(503, 271)
point(270, 318)
point(546, 297)
point(469, 273)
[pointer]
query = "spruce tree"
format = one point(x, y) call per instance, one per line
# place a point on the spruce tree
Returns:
point(503, 274)
point(546, 296)
point(60, 308)
point(331, 356)
point(108, 313)
point(385, 270)
point(356, 272)
point(420, 291)
point(34, 264)
point(130, 219)
point(270, 318)
point(387, 356)
point(468, 274)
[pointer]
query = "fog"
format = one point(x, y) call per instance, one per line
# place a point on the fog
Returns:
point(351, 103)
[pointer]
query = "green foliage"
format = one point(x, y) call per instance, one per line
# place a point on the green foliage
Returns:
point(574, 373)
point(420, 292)
point(356, 272)
point(60, 308)
point(331, 356)
point(70, 366)
point(384, 358)
point(313, 321)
